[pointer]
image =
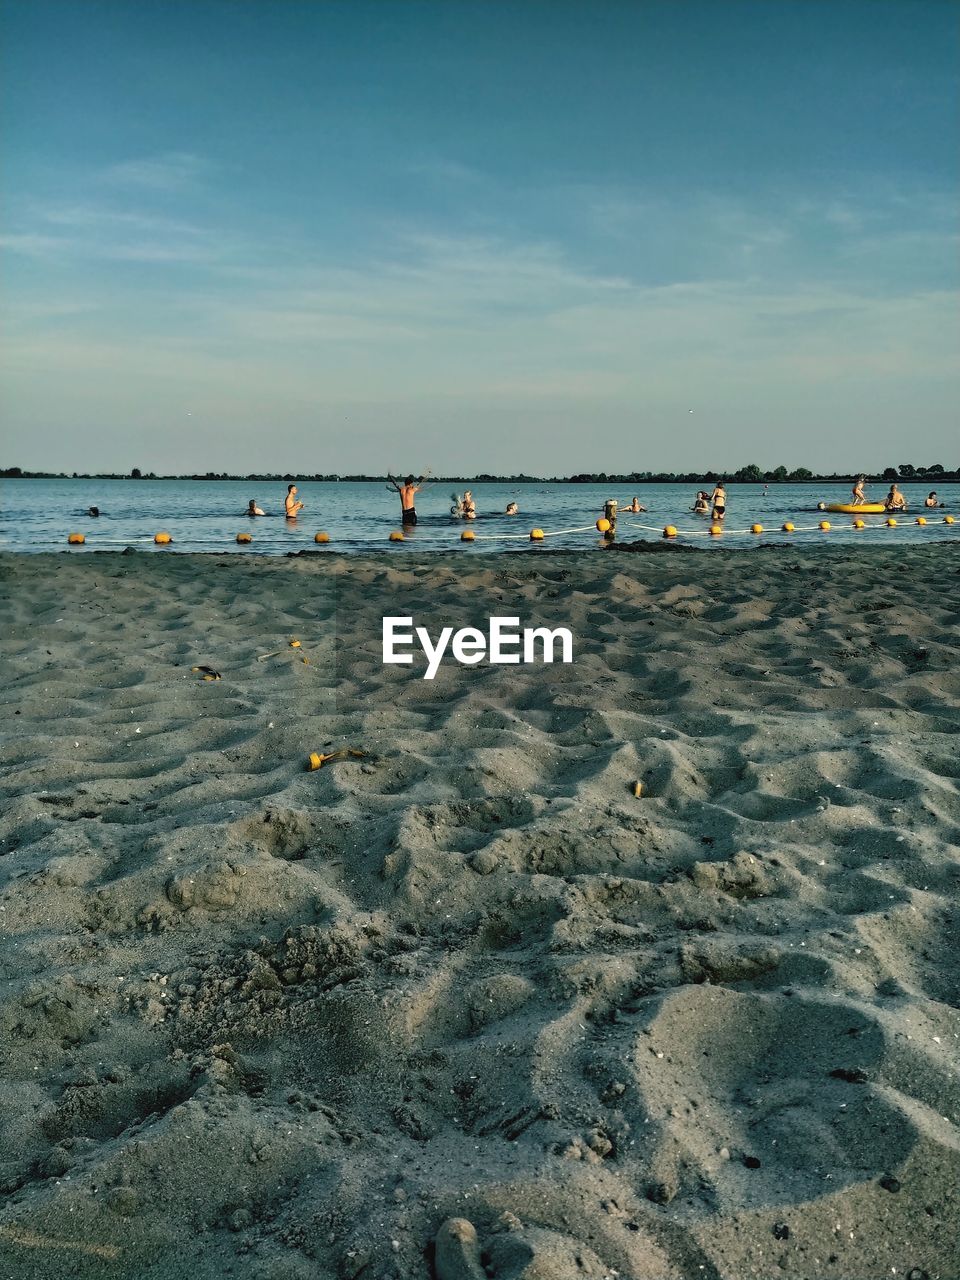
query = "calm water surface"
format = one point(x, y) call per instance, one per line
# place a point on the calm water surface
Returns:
point(205, 515)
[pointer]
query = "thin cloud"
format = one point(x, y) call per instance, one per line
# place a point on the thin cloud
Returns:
point(32, 244)
point(170, 171)
point(101, 232)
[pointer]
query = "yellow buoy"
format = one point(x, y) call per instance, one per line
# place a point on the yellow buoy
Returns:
point(825, 526)
point(76, 539)
point(756, 528)
point(294, 644)
point(670, 531)
point(921, 519)
point(716, 530)
point(948, 519)
point(314, 761)
point(467, 536)
point(396, 536)
point(321, 536)
point(859, 524)
point(536, 535)
point(603, 524)
point(891, 522)
point(162, 538)
point(244, 537)
point(787, 527)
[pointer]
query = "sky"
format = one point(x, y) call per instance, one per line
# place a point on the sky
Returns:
point(537, 236)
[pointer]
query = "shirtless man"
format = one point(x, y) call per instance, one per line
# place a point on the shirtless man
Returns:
point(291, 504)
point(895, 500)
point(407, 492)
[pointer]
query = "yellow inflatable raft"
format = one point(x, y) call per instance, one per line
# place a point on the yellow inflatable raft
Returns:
point(864, 509)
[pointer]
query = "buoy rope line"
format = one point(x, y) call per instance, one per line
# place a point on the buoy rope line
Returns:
point(547, 533)
point(584, 528)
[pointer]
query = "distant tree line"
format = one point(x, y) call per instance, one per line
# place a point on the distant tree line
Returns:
point(751, 474)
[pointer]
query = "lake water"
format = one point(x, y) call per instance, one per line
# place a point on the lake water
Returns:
point(206, 515)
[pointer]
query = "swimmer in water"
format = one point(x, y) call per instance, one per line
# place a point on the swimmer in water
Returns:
point(291, 503)
point(253, 509)
point(634, 506)
point(93, 511)
point(701, 503)
point(468, 506)
point(512, 509)
point(931, 500)
point(859, 497)
point(719, 500)
point(895, 500)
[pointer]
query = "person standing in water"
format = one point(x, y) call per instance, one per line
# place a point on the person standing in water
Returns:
point(468, 508)
point(291, 504)
point(407, 491)
point(719, 500)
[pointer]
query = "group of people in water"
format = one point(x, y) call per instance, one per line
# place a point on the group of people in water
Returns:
point(465, 508)
point(712, 504)
point(292, 506)
point(894, 501)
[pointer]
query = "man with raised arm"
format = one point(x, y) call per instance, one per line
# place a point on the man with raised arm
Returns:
point(407, 492)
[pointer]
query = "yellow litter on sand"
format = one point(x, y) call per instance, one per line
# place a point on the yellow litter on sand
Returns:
point(207, 673)
point(317, 759)
point(638, 789)
point(274, 653)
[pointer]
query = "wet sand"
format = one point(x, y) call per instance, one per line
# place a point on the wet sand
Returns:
point(466, 1005)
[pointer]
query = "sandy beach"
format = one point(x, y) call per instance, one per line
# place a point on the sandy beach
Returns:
point(463, 1004)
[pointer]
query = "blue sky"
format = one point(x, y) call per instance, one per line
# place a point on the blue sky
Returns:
point(549, 236)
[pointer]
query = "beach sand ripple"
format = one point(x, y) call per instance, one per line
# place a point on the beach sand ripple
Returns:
point(466, 1005)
